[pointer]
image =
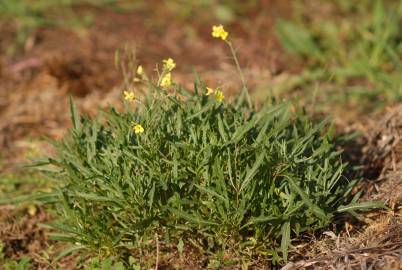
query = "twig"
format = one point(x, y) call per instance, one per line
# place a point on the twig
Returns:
point(157, 252)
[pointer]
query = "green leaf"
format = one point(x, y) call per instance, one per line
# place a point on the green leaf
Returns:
point(360, 206)
point(119, 266)
point(191, 218)
point(252, 172)
point(314, 208)
point(261, 219)
point(75, 118)
point(285, 242)
point(180, 246)
point(68, 251)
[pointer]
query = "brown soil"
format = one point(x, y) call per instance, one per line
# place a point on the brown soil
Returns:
point(19, 232)
point(56, 63)
point(22, 236)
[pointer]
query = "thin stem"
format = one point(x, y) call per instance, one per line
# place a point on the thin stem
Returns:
point(239, 70)
point(237, 64)
point(157, 252)
point(161, 77)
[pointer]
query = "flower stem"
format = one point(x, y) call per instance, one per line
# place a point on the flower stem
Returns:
point(240, 72)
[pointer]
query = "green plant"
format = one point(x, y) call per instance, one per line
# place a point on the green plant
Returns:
point(234, 177)
point(353, 51)
point(109, 263)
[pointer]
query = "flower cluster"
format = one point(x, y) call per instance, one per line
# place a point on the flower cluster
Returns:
point(137, 128)
point(219, 96)
point(165, 79)
point(169, 64)
point(219, 32)
point(210, 91)
point(140, 70)
point(129, 95)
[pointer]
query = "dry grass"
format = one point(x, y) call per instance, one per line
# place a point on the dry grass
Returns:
point(377, 242)
point(384, 154)
point(378, 246)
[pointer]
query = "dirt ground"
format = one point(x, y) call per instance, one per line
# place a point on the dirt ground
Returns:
point(55, 63)
point(375, 243)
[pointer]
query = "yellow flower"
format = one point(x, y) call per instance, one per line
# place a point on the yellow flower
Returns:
point(166, 80)
point(219, 96)
point(140, 70)
point(32, 210)
point(209, 91)
point(219, 32)
point(169, 64)
point(129, 96)
point(138, 129)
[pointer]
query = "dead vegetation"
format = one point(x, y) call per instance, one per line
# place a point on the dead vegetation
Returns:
point(377, 243)
point(378, 246)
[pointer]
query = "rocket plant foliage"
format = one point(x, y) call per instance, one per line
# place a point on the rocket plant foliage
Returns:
point(218, 173)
